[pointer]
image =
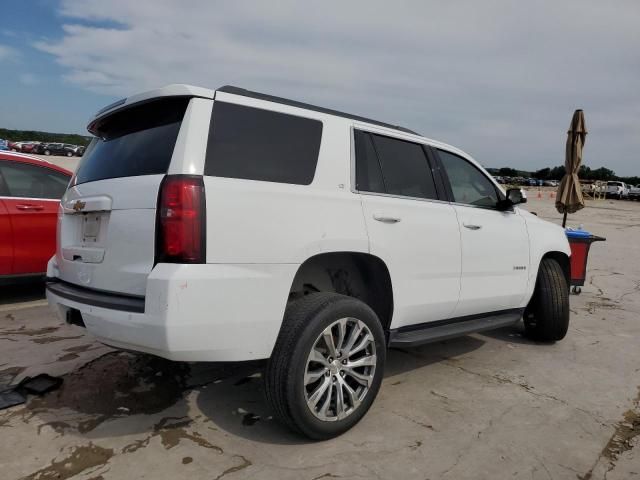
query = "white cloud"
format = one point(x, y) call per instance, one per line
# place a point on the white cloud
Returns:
point(498, 78)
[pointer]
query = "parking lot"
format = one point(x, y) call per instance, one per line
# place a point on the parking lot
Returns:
point(70, 163)
point(491, 406)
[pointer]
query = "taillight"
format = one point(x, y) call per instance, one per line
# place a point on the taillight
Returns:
point(181, 228)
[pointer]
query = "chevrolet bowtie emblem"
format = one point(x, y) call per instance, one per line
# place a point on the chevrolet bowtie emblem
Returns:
point(79, 205)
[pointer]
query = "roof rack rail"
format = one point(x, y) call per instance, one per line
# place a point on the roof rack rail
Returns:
point(293, 103)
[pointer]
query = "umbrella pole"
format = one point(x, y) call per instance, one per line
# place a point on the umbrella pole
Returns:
point(564, 219)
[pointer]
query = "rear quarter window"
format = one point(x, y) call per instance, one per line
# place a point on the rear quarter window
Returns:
point(133, 142)
point(255, 144)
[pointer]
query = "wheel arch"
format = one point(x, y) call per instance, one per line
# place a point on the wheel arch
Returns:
point(354, 274)
point(564, 261)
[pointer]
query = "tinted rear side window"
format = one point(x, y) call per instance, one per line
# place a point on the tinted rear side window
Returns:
point(405, 168)
point(133, 142)
point(368, 173)
point(255, 144)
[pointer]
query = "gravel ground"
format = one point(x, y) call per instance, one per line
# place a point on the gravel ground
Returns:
point(487, 406)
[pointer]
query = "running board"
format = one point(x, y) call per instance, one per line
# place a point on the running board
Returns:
point(445, 329)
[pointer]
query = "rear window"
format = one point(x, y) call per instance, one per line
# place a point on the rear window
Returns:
point(255, 144)
point(614, 184)
point(136, 141)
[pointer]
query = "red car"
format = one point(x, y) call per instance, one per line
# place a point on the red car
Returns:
point(27, 147)
point(30, 192)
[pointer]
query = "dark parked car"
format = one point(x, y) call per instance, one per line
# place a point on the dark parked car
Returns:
point(54, 149)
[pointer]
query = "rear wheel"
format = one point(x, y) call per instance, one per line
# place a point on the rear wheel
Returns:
point(69, 154)
point(547, 315)
point(327, 365)
point(47, 152)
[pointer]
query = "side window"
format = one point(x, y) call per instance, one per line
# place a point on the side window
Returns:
point(257, 144)
point(368, 173)
point(405, 168)
point(30, 181)
point(468, 184)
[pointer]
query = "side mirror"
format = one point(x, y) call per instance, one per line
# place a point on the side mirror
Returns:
point(515, 196)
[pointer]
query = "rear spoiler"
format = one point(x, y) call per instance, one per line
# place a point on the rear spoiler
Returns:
point(175, 90)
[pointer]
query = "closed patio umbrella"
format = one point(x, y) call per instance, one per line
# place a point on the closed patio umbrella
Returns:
point(569, 198)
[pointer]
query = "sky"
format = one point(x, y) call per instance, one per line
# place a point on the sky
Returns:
point(498, 79)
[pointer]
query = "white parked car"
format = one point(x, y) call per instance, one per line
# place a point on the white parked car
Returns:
point(634, 192)
point(617, 190)
point(230, 225)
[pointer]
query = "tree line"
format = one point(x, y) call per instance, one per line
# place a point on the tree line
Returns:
point(45, 137)
point(556, 173)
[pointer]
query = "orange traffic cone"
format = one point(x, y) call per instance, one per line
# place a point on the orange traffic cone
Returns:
point(539, 194)
point(552, 194)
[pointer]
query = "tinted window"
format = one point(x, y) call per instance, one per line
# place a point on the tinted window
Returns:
point(30, 181)
point(368, 174)
point(136, 141)
point(468, 184)
point(256, 144)
point(405, 168)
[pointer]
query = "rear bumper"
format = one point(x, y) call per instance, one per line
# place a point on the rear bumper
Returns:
point(95, 298)
point(210, 312)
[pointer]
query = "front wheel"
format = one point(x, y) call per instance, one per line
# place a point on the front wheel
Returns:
point(547, 315)
point(69, 154)
point(327, 365)
point(47, 152)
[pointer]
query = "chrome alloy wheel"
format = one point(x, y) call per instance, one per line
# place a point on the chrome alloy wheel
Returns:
point(340, 369)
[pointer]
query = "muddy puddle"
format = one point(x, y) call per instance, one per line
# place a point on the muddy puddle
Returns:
point(120, 384)
point(113, 385)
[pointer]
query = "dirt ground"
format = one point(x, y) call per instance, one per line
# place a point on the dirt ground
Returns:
point(488, 406)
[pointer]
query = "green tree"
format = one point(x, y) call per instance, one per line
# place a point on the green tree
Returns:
point(603, 173)
point(557, 173)
point(508, 172)
point(26, 135)
point(542, 174)
point(630, 180)
point(585, 173)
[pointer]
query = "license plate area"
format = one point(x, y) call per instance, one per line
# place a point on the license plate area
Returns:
point(90, 228)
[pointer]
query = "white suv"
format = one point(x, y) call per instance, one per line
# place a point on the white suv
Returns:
point(230, 225)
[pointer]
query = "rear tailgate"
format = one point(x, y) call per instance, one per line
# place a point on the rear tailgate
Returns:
point(106, 229)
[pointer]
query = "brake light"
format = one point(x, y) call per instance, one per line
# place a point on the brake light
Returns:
point(180, 230)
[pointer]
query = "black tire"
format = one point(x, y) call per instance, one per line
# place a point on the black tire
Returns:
point(546, 318)
point(47, 152)
point(69, 154)
point(304, 320)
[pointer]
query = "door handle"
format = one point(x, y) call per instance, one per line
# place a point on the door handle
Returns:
point(22, 206)
point(384, 218)
point(472, 227)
